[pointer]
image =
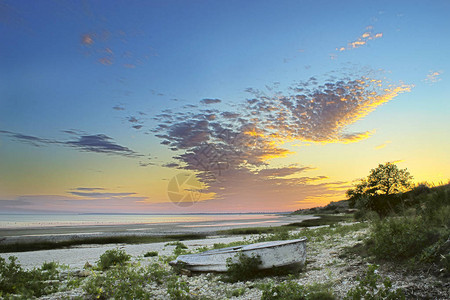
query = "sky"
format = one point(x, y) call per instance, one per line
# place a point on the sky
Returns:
point(216, 106)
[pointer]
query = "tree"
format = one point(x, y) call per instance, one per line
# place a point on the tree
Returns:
point(386, 179)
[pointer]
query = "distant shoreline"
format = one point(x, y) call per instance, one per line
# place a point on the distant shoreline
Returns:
point(102, 233)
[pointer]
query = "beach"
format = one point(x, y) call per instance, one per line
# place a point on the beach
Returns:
point(77, 256)
point(329, 264)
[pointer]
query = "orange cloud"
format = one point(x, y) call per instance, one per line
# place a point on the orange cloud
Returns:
point(382, 145)
point(362, 40)
point(87, 39)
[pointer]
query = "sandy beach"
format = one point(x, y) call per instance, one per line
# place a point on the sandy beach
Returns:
point(327, 260)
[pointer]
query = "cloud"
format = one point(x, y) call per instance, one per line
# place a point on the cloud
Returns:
point(88, 189)
point(32, 140)
point(433, 77)
point(100, 194)
point(282, 172)
point(87, 39)
point(210, 101)
point(171, 165)
point(98, 143)
point(361, 40)
point(132, 119)
point(381, 146)
point(118, 107)
point(234, 149)
point(86, 204)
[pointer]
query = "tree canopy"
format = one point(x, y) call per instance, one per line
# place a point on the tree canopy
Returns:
point(386, 179)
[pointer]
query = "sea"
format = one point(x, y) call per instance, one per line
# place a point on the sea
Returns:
point(15, 221)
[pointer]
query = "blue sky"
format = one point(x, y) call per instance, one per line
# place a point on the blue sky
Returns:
point(86, 85)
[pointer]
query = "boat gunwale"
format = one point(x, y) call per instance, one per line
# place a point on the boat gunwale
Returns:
point(243, 248)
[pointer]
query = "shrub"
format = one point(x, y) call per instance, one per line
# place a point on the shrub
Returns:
point(111, 258)
point(151, 254)
point(236, 292)
point(400, 237)
point(157, 273)
point(178, 290)
point(28, 284)
point(245, 268)
point(123, 282)
point(373, 286)
point(294, 291)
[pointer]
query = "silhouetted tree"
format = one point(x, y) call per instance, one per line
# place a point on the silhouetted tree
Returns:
point(386, 179)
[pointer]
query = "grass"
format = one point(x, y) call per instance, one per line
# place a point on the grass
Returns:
point(14, 280)
point(292, 290)
point(419, 234)
point(323, 220)
point(34, 246)
point(151, 253)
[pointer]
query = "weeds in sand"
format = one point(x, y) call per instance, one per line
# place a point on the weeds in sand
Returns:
point(151, 254)
point(14, 280)
point(121, 282)
point(113, 257)
point(178, 289)
point(294, 291)
point(373, 286)
point(242, 267)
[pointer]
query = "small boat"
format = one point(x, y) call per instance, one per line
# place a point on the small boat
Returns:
point(287, 253)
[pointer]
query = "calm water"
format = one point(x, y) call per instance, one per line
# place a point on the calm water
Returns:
point(50, 220)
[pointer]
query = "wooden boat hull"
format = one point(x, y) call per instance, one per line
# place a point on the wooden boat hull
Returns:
point(273, 254)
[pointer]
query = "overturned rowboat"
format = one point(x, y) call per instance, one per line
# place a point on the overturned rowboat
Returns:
point(289, 253)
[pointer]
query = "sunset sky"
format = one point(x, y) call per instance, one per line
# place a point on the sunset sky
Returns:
point(243, 106)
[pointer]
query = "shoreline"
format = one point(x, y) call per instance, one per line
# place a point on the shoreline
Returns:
point(85, 234)
point(77, 255)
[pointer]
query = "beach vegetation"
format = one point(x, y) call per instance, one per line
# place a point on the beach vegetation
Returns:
point(111, 258)
point(420, 234)
point(236, 292)
point(374, 286)
point(323, 219)
point(122, 282)
point(242, 267)
point(18, 283)
point(151, 253)
point(290, 289)
point(178, 289)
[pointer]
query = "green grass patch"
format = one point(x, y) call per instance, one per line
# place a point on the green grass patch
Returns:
point(323, 220)
point(14, 280)
point(112, 258)
point(294, 291)
point(151, 254)
point(418, 235)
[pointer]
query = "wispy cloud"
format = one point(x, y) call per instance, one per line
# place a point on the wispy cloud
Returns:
point(100, 203)
point(210, 101)
point(362, 40)
point(88, 189)
point(381, 146)
point(433, 76)
point(100, 194)
point(98, 143)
